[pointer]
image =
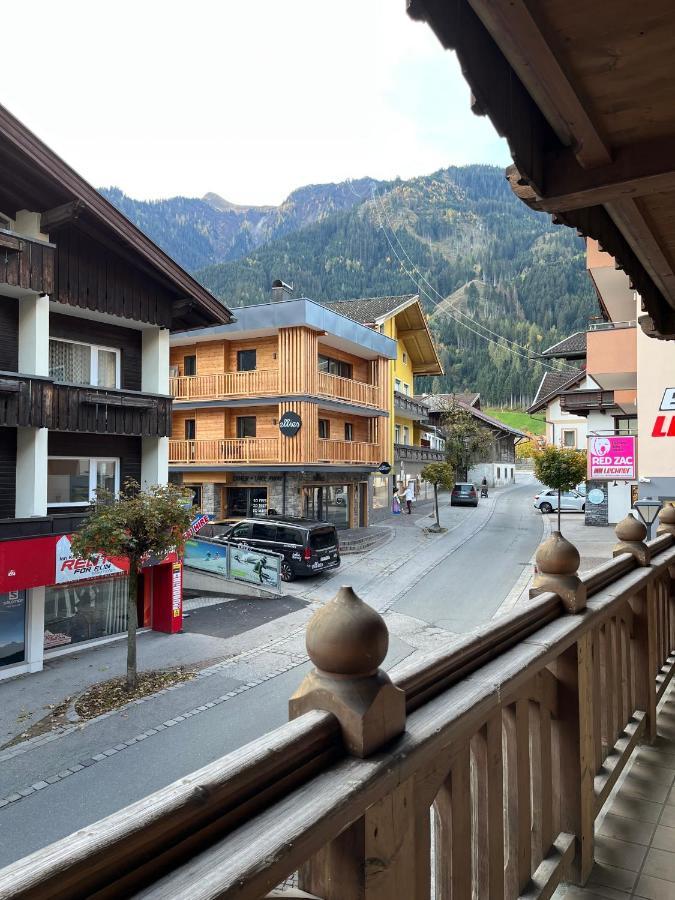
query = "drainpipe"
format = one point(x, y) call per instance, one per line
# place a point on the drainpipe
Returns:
point(283, 494)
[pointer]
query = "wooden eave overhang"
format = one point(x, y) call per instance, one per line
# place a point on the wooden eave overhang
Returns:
point(412, 327)
point(584, 93)
point(35, 178)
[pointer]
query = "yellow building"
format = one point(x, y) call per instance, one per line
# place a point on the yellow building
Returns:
point(412, 441)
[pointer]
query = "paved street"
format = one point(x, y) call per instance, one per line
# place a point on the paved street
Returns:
point(429, 588)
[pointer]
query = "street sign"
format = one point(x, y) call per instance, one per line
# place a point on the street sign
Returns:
point(290, 424)
point(612, 456)
point(384, 468)
point(596, 496)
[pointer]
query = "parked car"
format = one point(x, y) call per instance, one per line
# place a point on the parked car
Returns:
point(307, 547)
point(464, 494)
point(570, 501)
point(216, 528)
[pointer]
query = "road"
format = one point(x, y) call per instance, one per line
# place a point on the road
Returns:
point(458, 581)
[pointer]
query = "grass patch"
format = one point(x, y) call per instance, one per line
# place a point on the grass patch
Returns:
point(110, 695)
point(518, 418)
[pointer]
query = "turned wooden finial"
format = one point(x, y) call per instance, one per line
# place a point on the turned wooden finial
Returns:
point(631, 534)
point(347, 641)
point(666, 521)
point(557, 571)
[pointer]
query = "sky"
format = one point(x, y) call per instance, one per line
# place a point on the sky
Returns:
point(247, 100)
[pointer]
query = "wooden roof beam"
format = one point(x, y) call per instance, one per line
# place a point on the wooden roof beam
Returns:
point(517, 35)
point(630, 220)
point(637, 170)
point(60, 215)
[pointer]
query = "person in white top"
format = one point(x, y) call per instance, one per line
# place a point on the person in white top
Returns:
point(410, 496)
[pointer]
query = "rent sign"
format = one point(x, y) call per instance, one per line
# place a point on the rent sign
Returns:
point(612, 456)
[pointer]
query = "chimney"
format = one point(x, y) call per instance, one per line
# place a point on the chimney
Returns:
point(281, 291)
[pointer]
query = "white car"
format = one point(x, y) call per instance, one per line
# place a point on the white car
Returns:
point(570, 501)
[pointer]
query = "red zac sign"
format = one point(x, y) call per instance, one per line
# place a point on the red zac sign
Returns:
point(664, 426)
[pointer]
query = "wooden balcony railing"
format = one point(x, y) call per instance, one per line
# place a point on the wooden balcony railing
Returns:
point(583, 402)
point(415, 453)
point(488, 761)
point(26, 263)
point(257, 383)
point(359, 452)
point(334, 386)
point(235, 450)
point(27, 400)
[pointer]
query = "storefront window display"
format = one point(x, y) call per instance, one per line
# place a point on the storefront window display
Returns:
point(82, 611)
point(246, 501)
point(381, 491)
point(12, 628)
point(328, 503)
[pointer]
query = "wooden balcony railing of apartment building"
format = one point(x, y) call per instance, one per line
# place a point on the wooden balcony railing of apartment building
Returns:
point(583, 402)
point(26, 263)
point(32, 401)
point(415, 453)
point(225, 450)
point(476, 770)
point(256, 383)
point(359, 452)
point(360, 392)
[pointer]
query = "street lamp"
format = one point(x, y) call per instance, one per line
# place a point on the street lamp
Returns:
point(648, 509)
point(467, 442)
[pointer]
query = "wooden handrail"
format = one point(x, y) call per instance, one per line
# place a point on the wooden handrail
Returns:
point(245, 822)
point(349, 389)
point(224, 450)
point(219, 385)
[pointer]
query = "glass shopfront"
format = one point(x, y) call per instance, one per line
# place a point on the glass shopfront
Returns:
point(328, 503)
point(246, 501)
point(83, 611)
point(381, 491)
point(12, 628)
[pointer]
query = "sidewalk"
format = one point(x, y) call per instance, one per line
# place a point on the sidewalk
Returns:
point(379, 577)
point(594, 543)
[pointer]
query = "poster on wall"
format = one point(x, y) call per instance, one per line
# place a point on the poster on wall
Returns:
point(612, 456)
point(254, 567)
point(12, 627)
point(176, 590)
point(205, 555)
point(71, 568)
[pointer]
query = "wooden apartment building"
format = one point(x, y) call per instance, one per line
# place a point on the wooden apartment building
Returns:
point(286, 409)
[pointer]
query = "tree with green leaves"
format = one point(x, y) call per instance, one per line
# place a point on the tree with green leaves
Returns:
point(438, 473)
point(135, 524)
point(560, 468)
point(466, 440)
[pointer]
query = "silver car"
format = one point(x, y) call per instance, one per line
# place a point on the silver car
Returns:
point(570, 501)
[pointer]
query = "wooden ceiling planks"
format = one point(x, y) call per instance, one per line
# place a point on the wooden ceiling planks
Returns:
point(603, 78)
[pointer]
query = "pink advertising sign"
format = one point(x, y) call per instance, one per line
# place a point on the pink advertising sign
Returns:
point(612, 456)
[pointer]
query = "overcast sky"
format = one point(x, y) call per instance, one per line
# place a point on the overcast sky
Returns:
point(247, 99)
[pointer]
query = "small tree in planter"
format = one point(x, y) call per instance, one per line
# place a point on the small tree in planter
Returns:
point(438, 473)
point(135, 524)
point(560, 468)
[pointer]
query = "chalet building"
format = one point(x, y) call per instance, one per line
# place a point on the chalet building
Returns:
point(284, 410)
point(499, 465)
point(600, 398)
point(413, 440)
point(86, 306)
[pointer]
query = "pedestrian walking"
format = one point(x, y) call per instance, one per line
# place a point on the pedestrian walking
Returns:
point(410, 496)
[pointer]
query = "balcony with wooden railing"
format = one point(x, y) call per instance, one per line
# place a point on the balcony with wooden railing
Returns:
point(222, 385)
point(335, 387)
point(477, 770)
point(224, 450)
point(356, 452)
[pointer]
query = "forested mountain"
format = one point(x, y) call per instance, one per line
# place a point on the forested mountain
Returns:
point(515, 282)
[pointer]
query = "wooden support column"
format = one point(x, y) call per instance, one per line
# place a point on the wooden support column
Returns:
point(379, 857)
point(643, 646)
point(575, 751)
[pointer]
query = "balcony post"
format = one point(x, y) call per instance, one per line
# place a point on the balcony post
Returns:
point(631, 534)
point(34, 335)
point(31, 472)
point(557, 568)
point(155, 360)
point(154, 461)
point(347, 640)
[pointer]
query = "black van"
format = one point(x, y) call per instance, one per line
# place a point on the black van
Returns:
point(307, 546)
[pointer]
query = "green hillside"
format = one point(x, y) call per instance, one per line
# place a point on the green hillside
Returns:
point(518, 418)
point(516, 283)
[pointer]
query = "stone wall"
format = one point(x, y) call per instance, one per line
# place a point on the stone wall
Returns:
point(597, 513)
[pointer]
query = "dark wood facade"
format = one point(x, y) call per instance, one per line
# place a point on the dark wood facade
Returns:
point(26, 264)
point(126, 448)
point(7, 471)
point(127, 340)
point(41, 403)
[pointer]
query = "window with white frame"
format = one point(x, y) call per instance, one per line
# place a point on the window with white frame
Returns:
point(74, 481)
point(397, 434)
point(397, 385)
point(569, 437)
point(77, 363)
point(406, 389)
point(406, 435)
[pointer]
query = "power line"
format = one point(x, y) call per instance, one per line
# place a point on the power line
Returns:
point(449, 313)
